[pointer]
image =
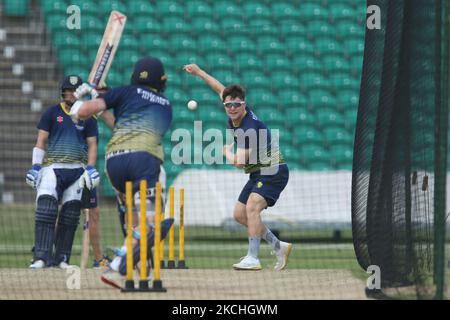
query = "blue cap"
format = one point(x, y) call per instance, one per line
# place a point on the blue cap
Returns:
point(149, 71)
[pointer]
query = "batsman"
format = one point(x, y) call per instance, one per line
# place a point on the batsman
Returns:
point(63, 165)
point(142, 116)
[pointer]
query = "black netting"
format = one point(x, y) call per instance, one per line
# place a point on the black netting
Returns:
point(394, 166)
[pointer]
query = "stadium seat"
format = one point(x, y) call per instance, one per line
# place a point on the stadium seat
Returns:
point(298, 44)
point(353, 47)
point(319, 28)
point(181, 42)
point(177, 96)
point(248, 61)
point(269, 44)
point(312, 11)
point(86, 6)
point(342, 80)
point(337, 135)
point(198, 9)
point(288, 98)
point(327, 46)
point(91, 22)
point(217, 61)
point(312, 152)
point(291, 153)
point(110, 5)
point(50, 7)
point(263, 26)
point(335, 63)
point(253, 10)
point(144, 25)
point(150, 42)
point(56, 22)
point(204, 25)
point(291, 28)
point(284, 10)
point(299, 117)
point(341, 154)
point(284, 79)
point(261, 97)
point(212, 113)
point(254, 78)
point(66, 40)
point(174, 24)
point(270, 116)
point(226, 77)
point(237, 44)
point(307, 135)
point(347, 29)
point(209, 43)
point(319, 98)
point(284, 135)
point(231, 23)
point(306, 62)
point(341, 11)
point(126, 57)
point(137, 8)
point(186, 57)
point(170, 8)
point(70, 57)
point(312, 80)
point(347, 100)
point(204, 95)
point(277, 61)
point(327, 117)
point(129, 41)
point(226, 9)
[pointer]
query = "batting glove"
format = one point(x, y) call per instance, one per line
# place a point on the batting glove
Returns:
point(33, 176)
point(85, 92)
point(74, 111)
point(90, 178)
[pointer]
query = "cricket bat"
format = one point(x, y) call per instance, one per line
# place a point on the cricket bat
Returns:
point(85, 248)
point(107, 50)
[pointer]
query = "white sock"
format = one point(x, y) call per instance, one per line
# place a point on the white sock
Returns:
point(271, 239)
point(253, 246)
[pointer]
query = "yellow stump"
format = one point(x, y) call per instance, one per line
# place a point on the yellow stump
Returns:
point(181, 260)
point(143, 283)
point(129, 284)
point(171, 262)
point(156, 246)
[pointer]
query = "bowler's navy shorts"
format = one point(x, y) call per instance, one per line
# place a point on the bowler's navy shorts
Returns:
point(268, 186)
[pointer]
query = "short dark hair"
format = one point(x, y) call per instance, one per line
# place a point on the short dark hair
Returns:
point(234, 91)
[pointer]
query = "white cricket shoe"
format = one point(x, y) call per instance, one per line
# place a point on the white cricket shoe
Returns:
point(282, 255)
point(64, 265)
point(38, 264)
point(248, 263)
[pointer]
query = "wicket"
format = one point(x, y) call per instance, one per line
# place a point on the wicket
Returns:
point(171, 259)
point(143, 282)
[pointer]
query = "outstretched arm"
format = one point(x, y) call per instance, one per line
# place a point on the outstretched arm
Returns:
point(210, 81)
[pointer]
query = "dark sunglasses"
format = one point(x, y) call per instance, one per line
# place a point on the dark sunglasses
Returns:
point(235, 104)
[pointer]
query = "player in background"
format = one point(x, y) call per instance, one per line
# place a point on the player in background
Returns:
point(264, 186)
point(62, 166)
point(134, 153)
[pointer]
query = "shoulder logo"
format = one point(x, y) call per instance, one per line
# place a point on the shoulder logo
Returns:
point(59, 119)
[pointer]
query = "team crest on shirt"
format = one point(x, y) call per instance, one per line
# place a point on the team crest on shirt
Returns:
point(259, 185)
point(59, 119)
